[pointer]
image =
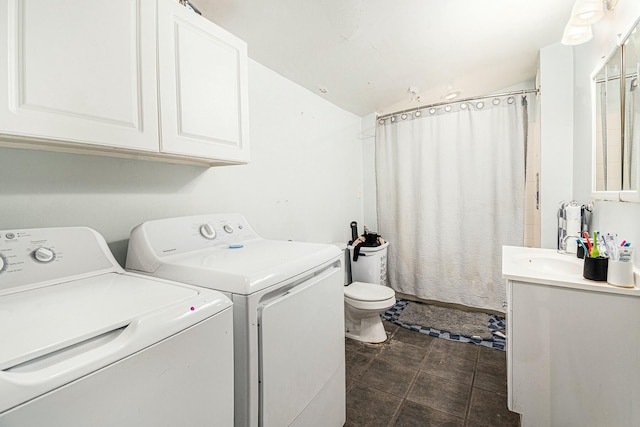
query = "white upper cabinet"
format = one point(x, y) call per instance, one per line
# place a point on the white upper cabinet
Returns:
point(141, 78)
point(203, 86)
point(82, 72)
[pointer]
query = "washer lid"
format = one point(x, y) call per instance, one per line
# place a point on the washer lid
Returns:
point(43, 321)
point(256, 265)
point(368, 292)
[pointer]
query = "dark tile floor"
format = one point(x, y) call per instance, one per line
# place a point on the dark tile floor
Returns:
point(413, 379)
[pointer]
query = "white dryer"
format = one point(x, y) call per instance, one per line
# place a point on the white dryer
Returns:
point(84, 343)
point(288, 312)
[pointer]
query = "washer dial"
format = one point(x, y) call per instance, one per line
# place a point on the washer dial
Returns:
point(3, 263)
point(207, 231)
point(44, 255)
point(228, 228)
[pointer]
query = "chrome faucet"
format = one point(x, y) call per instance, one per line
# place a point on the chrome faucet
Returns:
point(563, 245)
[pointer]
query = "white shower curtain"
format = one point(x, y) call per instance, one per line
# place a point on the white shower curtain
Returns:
point(450, 191)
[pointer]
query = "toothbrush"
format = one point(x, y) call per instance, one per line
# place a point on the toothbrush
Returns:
point(595, 253)
point(583, 247)
point(586, 236)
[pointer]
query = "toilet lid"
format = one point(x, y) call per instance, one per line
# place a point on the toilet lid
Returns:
point(368, 292)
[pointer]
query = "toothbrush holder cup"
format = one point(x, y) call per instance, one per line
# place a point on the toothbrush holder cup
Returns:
point(595, 269)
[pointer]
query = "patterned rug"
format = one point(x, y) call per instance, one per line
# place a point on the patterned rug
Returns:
point(489, 339)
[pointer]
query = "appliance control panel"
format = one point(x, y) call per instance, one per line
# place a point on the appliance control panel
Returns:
point(29, 257)
point(173, 236)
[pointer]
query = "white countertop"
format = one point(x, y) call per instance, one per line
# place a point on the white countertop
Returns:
point(548, 267)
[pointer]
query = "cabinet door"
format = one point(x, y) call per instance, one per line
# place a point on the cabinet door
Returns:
point(203, 87)
point(81, 72)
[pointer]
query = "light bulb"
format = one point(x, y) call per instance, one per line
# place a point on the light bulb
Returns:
point(574, 35)
point(587, 12)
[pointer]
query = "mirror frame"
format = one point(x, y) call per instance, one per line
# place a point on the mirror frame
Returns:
point(616, 195)
point(629, 195)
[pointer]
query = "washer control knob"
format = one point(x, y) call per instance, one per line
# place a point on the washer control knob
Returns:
point(3, 263)
point(44, 255)
point(228, 228)
point(207, 231)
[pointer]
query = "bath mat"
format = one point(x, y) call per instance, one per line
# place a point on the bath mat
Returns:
point(489, 323)
point(447, 319)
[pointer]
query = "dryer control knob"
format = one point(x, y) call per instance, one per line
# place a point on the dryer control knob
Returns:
point(44, 255)
point(207, 231)
point(228, 228)
point(3, 263)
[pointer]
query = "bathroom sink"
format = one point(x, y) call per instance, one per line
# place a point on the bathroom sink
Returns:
point(559, 264)
point(548, 267)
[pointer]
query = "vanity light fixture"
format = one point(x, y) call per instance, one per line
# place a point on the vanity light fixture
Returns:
point(587, 12)
point(576, 34)
point(584, 14)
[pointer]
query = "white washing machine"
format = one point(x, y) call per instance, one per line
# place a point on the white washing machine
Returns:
point(84, 343)
point(288, 312)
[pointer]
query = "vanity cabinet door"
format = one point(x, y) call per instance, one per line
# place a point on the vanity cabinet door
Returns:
point(81, 73)
point(203, 87)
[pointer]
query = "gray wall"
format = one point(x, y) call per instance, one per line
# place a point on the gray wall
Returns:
point(304, 181)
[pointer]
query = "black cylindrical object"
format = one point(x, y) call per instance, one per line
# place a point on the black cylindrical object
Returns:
point(354, 231)
point(595, 268)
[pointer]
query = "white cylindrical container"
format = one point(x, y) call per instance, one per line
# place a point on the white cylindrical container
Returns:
point(371, 266)
point(620, 273)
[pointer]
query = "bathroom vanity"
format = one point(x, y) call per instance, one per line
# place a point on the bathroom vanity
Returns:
point(573, 347)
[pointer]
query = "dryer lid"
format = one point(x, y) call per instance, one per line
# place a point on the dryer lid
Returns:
point(222, 252)
point(255, 265)
point(368, 292)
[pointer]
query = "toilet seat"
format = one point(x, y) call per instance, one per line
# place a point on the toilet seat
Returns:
point(368, 296)
point(368, 292)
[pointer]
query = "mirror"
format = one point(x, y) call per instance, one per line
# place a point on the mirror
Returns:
point(608, 125)
point(616, 122)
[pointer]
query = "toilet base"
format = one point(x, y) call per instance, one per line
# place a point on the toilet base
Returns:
point(365, 329)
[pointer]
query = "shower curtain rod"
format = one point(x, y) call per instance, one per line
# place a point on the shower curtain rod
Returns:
point(495, 95)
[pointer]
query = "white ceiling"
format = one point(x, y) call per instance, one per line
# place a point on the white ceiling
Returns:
point(367, 53)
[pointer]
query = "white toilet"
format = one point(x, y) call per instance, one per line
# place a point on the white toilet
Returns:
point(367, 298)
point(363, 305)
